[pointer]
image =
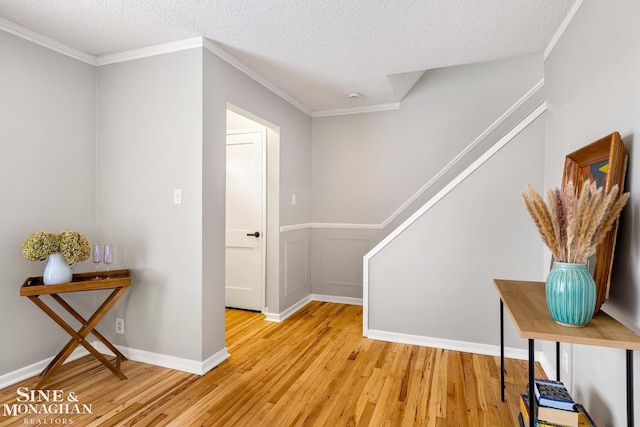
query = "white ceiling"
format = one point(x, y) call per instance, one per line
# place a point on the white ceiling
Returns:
point(316, 51)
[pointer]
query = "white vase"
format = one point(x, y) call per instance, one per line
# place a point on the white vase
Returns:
point(57, 270)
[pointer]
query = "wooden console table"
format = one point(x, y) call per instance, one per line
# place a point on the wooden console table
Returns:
point(526, 303)
point(117, 280)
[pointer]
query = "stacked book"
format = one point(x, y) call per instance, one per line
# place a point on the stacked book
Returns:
point(554, 407)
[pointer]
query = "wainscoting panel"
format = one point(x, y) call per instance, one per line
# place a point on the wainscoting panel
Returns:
point(296, 265)
point(337, 260)
point(342, 260)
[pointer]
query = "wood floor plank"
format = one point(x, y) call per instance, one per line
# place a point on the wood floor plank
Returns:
point(314, 369)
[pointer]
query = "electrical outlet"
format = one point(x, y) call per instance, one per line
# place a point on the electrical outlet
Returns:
point(119, 326)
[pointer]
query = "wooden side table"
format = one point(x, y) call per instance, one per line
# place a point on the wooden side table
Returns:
point(526, 303)
point(117, 280)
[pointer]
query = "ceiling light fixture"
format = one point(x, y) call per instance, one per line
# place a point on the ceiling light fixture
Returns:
point(354, 95)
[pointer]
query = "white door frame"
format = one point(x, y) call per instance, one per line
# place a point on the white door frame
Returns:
point(263, 253)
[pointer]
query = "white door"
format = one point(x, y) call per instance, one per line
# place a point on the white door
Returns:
point(244, 275)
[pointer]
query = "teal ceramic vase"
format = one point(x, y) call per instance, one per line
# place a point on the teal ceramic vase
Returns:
point(571, 294)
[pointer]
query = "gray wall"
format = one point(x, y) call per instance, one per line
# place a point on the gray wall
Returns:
point(385, 157)
point(150, 142)
point(289, 158)
point(365, 166)
point(593, 89)
point(47, 166)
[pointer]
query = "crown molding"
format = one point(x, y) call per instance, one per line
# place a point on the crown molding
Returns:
point(32, 36)
point(202, 42)
point(356, 110)
point(205, 43)
point(563, 27)
point(231, 60)
point(150, 51)
point(44, 41)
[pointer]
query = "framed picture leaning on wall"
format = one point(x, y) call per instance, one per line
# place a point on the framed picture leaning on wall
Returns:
point(605, 163)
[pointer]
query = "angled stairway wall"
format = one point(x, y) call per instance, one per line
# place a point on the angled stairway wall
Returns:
point(432, 283)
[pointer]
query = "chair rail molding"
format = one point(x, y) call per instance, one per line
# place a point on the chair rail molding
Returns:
point(333, 225)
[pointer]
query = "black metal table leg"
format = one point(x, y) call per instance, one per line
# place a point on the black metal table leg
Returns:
point(557, 361)
point(532, 396)
point(630, 419)
point(501, 349)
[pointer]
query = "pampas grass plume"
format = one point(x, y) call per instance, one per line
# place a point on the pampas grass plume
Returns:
point(572, 225)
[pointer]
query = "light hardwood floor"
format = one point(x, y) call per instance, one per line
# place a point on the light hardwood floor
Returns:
point(314, 369)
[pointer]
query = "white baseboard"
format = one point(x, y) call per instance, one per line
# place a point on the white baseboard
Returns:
point(279, 317)
point(215, 360)
point(35, 369)
point(338, 300)
point(272, 317)
point(463, 346)
point(165, 361)
point(547, 366)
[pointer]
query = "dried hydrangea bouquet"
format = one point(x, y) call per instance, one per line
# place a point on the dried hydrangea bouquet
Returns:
point(60, 250)
point(572, 226)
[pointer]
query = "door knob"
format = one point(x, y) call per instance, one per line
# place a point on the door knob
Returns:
point(256, 234)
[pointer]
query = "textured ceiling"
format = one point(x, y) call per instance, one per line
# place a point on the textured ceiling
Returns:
point(317, 51)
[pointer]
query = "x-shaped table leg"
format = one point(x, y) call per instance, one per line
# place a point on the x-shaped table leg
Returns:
point(78, 337)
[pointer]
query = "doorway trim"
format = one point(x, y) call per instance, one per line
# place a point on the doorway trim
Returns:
point(261, 129)
point(272, 209)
